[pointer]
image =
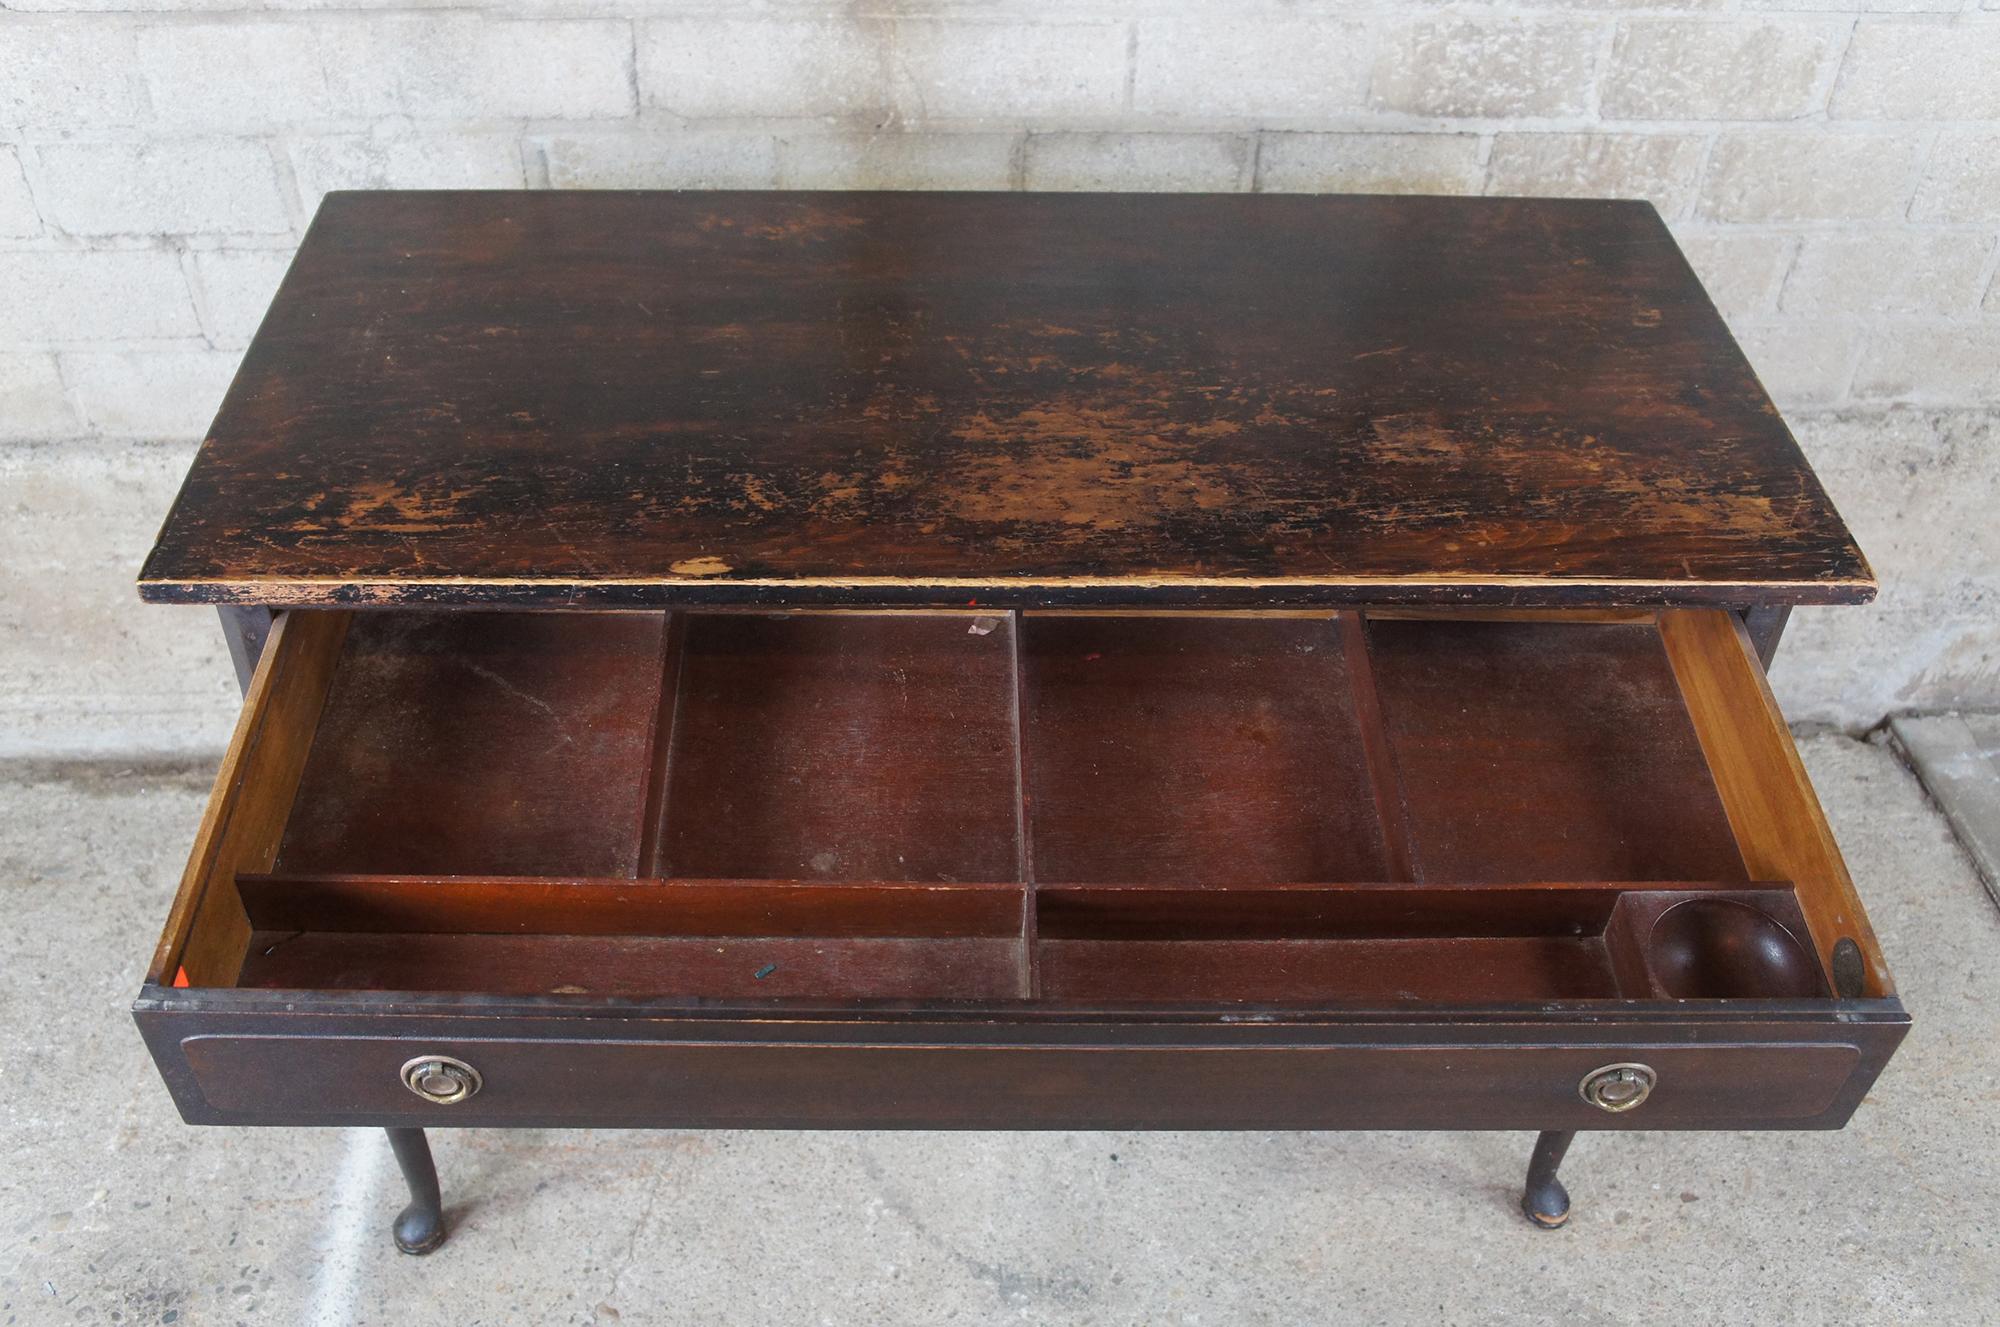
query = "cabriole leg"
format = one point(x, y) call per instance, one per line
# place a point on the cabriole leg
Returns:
point(420, 1228)
point(1545, 1201)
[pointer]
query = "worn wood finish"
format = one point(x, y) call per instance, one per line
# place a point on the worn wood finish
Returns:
point(507, 744)
point(554, 398)
point(207, 929)
point(1776, 817)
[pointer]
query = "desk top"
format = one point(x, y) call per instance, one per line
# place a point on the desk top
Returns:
point(656, 398)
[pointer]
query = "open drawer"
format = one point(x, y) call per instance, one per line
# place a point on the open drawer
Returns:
point(1062, 869)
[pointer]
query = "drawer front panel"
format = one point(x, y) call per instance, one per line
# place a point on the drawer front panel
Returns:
point(680, 1084)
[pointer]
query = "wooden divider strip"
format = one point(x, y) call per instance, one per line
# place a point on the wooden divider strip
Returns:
point(1383, 775)
point(1031, 955)
point(1779, 827)
point(673, 636)
point(517, 905)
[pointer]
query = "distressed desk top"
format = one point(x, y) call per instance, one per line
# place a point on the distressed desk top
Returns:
point(646, 398)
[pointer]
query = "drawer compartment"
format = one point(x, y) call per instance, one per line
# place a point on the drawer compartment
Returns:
point(878, 857)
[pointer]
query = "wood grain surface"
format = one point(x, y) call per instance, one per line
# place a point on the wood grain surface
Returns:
point(647, 398)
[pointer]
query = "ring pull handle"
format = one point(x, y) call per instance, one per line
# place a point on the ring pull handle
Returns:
point(1618, 1087)
point(442, 1080)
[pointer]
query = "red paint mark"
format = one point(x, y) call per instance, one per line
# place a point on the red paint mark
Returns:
point(180, 978)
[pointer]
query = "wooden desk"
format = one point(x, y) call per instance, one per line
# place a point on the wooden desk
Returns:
point(1028, 661)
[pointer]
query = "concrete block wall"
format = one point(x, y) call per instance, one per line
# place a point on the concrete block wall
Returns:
point(1831, 166)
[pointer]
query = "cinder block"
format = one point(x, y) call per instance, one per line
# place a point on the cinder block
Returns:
point(1740, 271)
point(33, 403)
point(1962, 180)
point(691, 159)
point(90, 673)
point(1707, 69)
point(897, 159)
point(445, 160)
point(124, 295)
point(1812, 176)
point(69, 74)
point(1919, 488)
point(238, 77)
point(1803, 362)
point(148, 393)
point(958, 70)
point(1369, 163)
point(766, 67)
point(1490, 68)
point(17, 207)
point(1235, 66)
point(1172, 163)
point(468, 66)
point(1932, 363)
point(1662, 168)
point(1891, 271)
point(174, 186)
point(1920, 69)
point(235, 288)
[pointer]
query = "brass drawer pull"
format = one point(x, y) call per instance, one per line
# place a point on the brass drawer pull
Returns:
point(440, 1079)
point(1618, 1087)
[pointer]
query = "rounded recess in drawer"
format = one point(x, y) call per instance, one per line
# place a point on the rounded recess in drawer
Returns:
point(1719, 949)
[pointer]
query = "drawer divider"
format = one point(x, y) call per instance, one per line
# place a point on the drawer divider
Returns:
point(1380, 757)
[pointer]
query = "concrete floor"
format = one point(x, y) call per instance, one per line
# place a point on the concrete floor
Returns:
point(112, 1211)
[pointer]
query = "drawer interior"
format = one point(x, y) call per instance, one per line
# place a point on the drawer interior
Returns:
point(1084, 808)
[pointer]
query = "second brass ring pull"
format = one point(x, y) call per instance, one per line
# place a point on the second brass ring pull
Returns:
point(442, 1080)
point(1618, 1087)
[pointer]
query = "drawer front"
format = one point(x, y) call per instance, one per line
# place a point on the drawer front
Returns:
point(549, 1082)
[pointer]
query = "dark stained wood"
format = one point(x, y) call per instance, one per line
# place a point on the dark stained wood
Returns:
point(1390, 810)
point(1477, 968)
point(1295, 944)
point(843, 746)
point(1310, 945)
point(555, 398)
point(1195, 750)
point(528, 906)
point(1326, 912)
point(713, 967)
point(584, 1062)
point(1541, 751)
point(498, 743)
